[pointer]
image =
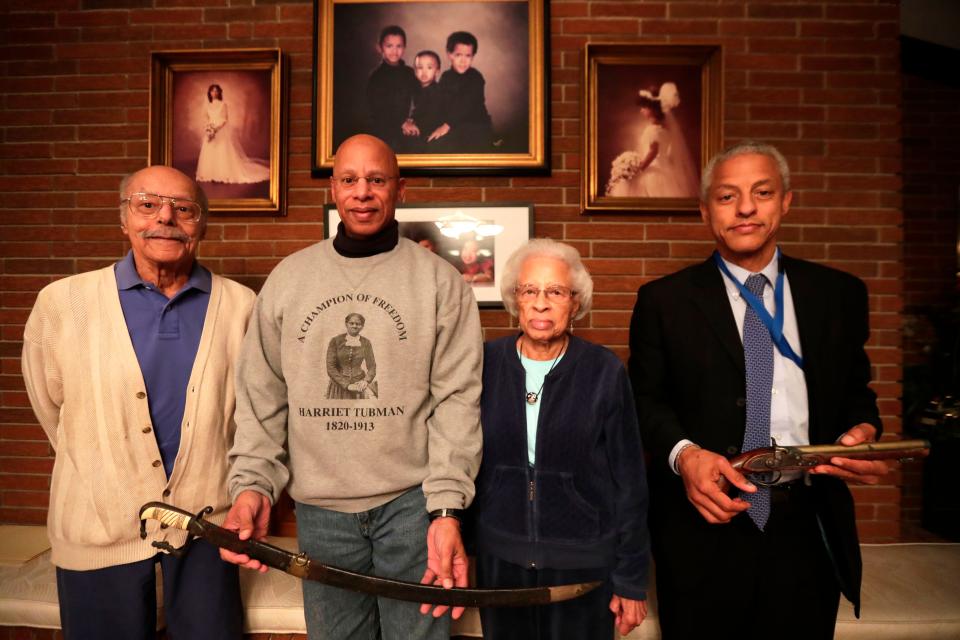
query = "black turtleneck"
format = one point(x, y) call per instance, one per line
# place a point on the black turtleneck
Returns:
point(380, 242)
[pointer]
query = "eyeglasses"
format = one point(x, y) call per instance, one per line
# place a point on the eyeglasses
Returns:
point(554, 293)
point(148, 205)
point(374, 182)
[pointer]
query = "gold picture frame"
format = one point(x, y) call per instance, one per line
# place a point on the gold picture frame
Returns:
point(353, 95)
point(652, 117)
point(218, 116)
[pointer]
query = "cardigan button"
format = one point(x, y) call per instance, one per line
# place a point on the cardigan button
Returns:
point(157, 463)
point(741, 402)
point(732, 450)
point(166, 493)
point(146, 429)
point(141, 395)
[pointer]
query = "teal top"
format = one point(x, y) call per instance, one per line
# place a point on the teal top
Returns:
point(535, 373)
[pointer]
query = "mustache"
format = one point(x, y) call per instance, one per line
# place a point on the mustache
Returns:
point(170, 234)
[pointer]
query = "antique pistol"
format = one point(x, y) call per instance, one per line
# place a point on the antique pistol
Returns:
point(767, 464)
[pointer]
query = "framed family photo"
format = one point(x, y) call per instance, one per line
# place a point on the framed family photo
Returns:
point(652, 117)
point(454, 87)
point(217, 115)
point(477, 239)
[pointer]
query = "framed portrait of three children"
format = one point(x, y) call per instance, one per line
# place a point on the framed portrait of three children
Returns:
point(455, 88)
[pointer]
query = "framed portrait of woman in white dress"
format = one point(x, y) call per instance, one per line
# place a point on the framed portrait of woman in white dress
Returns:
point(652, 116)
point(216, 115)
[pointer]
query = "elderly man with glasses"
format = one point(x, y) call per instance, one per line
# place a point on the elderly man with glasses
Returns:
point(378, 479)
point(129, 369)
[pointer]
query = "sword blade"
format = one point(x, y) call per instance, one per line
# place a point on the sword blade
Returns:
point(301, 566)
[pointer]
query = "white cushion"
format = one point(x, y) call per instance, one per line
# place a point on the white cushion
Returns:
point(28, 594)
point(910, 591)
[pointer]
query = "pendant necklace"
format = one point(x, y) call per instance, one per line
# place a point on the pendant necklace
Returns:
point(534, 396)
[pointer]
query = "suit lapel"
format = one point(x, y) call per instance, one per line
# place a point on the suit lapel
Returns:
point(710, 295)
point(810, 314)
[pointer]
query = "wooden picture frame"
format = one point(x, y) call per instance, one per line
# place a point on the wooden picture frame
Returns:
point(504, 131)
point(493, 230)
point(652, 117)
point(234, 146)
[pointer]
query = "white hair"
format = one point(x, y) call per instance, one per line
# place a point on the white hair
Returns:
point(580, 280)
point(739, 149)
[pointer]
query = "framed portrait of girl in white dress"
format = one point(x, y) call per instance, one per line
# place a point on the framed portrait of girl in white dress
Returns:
point(652, 116)
point(216, 115)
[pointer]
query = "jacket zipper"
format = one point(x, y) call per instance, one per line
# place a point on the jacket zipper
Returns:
point(532, 511)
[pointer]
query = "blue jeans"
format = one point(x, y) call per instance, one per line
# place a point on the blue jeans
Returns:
point(388, 541)
point(201, 598)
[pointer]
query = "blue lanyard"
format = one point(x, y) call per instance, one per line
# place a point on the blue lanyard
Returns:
point(774, 325)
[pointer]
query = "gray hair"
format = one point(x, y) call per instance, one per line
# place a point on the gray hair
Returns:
point(197, 189)
point(739, 149)
point(580, 279)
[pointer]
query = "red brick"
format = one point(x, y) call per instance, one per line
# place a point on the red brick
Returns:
point(786, 79)
point(92, 18)
point(680, 27)
point(784, 45)
point(764, 28)
point(166, 16)
point(707, 10)
point(765, 96)
point(27, 21)
point(24, 498)
point(21, 515)
point(875, 115)
point(838, 63)
point(783, 11)
point(24, 482)
point(767, 62)
point(783, 112)
point(873, 12)
point(829, 29)
point(610, 9)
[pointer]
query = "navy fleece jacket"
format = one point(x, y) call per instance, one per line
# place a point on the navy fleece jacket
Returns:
point(584, 503)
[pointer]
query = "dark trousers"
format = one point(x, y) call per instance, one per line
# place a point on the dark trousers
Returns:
point(778, 583)
point(585, 618)
point(201, 598)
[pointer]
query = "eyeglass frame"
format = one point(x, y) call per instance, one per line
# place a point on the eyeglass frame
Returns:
point(340, 181)
point(163, 200)
point(569, 293)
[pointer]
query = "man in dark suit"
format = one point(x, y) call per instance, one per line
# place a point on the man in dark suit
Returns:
point(723, 355)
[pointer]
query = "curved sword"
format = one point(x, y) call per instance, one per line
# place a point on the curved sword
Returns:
point(301, 566)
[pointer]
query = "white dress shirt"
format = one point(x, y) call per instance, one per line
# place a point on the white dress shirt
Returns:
point(789, 413)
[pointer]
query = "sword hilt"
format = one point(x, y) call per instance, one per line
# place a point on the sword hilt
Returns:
point(169, 516)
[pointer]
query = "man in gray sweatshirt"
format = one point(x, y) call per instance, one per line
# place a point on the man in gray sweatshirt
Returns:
point(381, 456)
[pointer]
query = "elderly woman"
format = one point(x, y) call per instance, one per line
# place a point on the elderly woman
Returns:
point(561, 494)
point(350, 362)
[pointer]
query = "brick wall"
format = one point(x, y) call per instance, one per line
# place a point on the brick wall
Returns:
point(820, 79)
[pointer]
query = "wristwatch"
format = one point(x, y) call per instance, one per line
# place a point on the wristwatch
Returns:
point(456, 514)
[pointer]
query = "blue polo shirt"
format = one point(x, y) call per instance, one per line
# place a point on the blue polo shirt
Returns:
point(166, 335)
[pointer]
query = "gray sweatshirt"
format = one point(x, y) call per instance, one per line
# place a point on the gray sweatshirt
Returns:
point(349, 422)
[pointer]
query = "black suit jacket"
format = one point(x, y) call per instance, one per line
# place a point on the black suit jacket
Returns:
point(687, 369)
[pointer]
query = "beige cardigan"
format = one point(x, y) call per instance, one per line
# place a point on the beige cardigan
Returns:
point(88, 393)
